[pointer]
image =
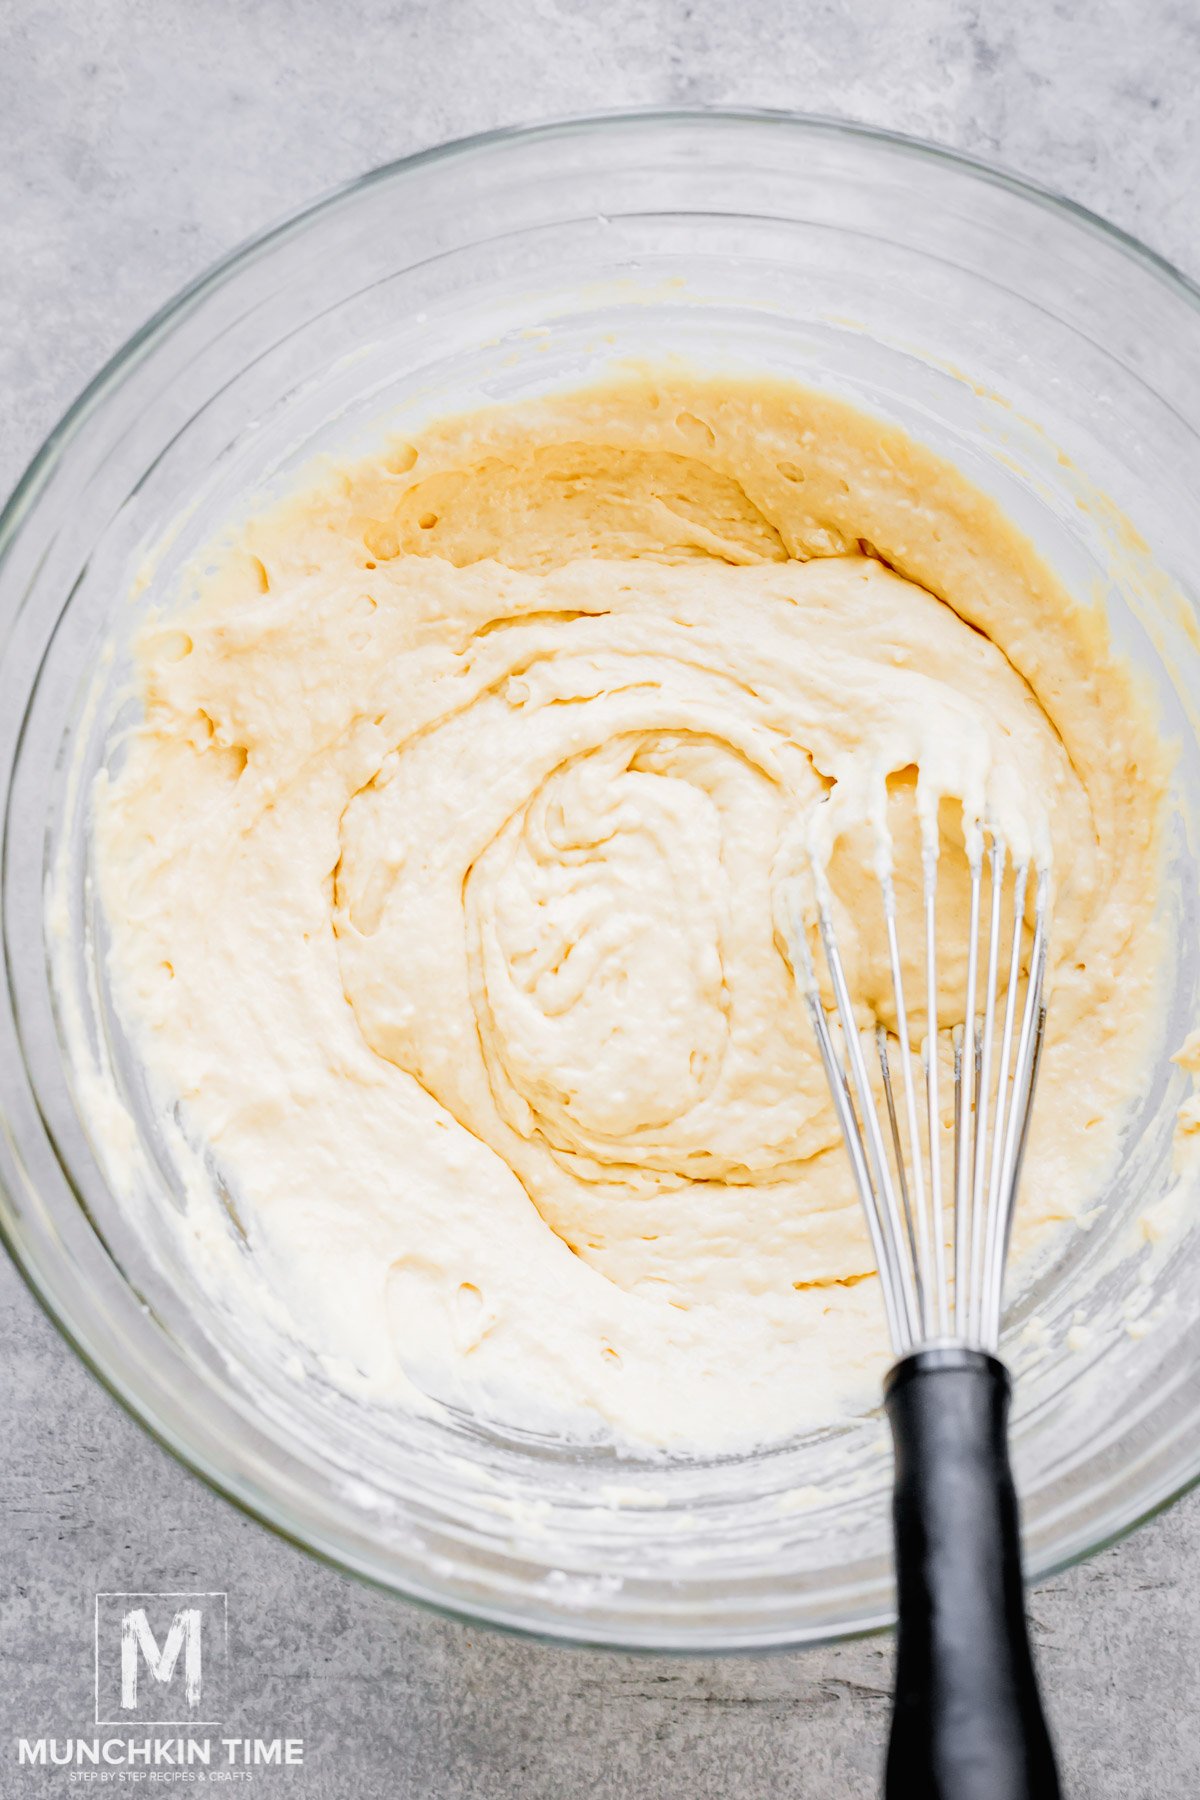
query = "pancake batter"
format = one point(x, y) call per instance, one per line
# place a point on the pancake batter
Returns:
point(450, 881)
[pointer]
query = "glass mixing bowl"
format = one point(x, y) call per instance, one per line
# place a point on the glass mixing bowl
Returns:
point(1057, 361)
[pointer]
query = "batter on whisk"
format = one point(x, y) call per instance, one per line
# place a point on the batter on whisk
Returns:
point(447, 874)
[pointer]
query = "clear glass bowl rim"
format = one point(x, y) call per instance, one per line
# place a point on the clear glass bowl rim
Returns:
point(109, 378)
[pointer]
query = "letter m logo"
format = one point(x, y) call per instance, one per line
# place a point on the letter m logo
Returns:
point(160, 1658)
point(138, 1644)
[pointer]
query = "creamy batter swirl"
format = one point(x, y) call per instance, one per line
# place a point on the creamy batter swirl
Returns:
point(452, 878)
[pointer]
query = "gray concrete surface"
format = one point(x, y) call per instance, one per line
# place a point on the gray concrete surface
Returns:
point(139, 139)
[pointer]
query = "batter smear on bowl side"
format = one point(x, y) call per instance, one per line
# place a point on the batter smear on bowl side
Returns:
point(449, 871)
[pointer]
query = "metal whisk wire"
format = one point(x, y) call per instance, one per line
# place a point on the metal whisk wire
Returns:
point(904, 1192)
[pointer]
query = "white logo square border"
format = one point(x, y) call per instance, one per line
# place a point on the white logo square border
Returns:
point(156, 1594)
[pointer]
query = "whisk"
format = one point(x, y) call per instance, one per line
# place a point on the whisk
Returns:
point(967, 1721)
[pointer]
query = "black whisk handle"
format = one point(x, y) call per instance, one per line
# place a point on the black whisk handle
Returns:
point(967, 1721)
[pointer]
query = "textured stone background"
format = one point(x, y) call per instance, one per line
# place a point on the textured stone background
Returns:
point(139, 139)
